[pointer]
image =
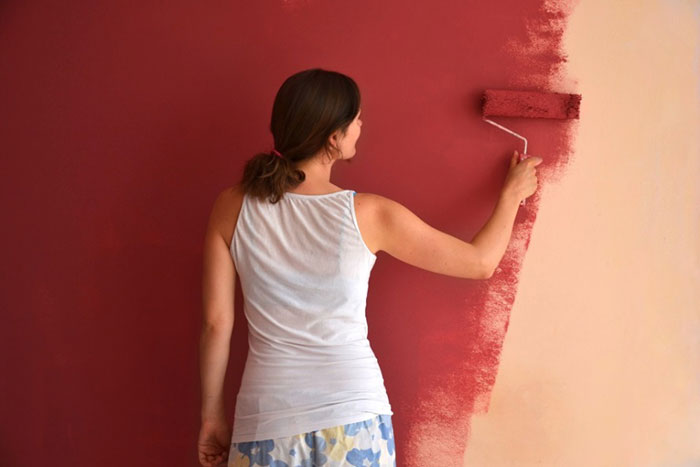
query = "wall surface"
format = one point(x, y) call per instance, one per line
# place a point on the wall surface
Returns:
point(123, 122)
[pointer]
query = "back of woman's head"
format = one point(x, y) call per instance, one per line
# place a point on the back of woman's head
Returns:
point(309, 107)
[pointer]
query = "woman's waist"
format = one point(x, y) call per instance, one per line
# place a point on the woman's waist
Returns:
point(298, 352)
point(363, 375)
point(341, 363)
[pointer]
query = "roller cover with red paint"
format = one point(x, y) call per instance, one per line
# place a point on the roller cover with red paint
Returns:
point(529, 104)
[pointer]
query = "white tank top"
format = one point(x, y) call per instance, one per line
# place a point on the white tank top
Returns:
point(304, 270)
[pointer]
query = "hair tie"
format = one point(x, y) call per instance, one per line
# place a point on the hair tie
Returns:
point(276, 152)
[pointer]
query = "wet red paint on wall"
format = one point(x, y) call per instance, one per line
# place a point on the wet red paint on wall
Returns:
point(126, 122)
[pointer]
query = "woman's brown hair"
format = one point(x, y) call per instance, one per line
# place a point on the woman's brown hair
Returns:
point(308, 108)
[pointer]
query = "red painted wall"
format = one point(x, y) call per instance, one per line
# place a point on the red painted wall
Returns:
point(123, 121)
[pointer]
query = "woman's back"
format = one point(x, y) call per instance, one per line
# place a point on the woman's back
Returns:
point(304, 270)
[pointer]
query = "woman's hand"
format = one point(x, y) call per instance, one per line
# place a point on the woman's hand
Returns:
point(521, 180)
point(214, 443)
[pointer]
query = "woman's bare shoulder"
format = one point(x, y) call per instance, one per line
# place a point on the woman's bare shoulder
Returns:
point(224, 214)
point(371, 202)
point(367, 209)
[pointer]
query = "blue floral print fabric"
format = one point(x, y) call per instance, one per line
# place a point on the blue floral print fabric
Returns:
point(369, 443)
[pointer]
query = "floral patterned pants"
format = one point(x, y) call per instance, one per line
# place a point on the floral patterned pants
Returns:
point(369, 443)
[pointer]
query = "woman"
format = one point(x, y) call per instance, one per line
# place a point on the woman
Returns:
point(312, 391)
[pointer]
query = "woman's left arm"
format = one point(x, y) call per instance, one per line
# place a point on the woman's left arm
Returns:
point(218, 290)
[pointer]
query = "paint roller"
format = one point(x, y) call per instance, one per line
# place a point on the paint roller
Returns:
point(528, 104)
